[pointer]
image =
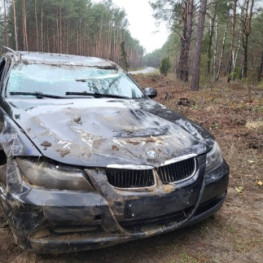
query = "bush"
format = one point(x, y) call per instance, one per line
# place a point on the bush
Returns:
point(165, 66)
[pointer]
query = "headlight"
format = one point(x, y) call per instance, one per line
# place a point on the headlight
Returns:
point(42, 173)
point(214, 158)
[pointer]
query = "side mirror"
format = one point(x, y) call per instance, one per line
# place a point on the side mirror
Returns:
point(150, 92)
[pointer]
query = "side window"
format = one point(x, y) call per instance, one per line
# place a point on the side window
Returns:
point(2, 72)
point(2, 66)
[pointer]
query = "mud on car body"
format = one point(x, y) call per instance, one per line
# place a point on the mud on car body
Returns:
point(89, 160)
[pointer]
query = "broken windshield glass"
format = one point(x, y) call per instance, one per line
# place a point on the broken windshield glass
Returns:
point(58, 80)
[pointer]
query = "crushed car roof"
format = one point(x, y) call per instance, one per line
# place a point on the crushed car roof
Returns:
point(62, 59)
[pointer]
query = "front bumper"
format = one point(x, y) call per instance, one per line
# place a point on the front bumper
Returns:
point(51, 221)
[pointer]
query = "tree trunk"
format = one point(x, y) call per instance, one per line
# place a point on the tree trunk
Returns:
point(222, 53)
point(15, 26)
point(236, 53)
point(60, 31)
point(245, 56)
point(215, 49)
point(36, 25)
point(197, 57)
point(182, 70)
point(232, 41)
point(246, 28)
point(24, 26)
point(6, 25)
point(260, 71)
point(42, 26)
point(210, 42)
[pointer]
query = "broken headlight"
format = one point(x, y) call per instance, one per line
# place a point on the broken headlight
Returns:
point(214, 158)
point(47, 175)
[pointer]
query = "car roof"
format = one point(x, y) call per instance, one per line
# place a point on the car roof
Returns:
point(61, 59)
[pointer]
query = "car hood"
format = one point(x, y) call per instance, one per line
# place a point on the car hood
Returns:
point(107, 132)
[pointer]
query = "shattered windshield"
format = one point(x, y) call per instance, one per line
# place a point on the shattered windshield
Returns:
point(70, 81)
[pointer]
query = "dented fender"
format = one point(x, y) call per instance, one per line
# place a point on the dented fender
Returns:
point(13, 140)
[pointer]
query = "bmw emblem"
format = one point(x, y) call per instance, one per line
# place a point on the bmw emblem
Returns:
point(152, 155)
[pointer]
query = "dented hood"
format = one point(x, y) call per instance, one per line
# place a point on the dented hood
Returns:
point(106, 132)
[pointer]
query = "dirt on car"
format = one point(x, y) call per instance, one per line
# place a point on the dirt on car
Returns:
point(233, 113)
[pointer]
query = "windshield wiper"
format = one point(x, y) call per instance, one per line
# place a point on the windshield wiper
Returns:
point(39, 95)
point(95, 95)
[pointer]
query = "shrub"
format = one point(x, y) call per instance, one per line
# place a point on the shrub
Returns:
point(165, 66)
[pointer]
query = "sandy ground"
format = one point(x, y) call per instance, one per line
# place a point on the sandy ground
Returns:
point(235, 233)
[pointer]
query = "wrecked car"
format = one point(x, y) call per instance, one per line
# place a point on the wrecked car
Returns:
point(89, 160)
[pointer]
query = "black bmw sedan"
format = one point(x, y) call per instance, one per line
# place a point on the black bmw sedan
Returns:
point(88, 159)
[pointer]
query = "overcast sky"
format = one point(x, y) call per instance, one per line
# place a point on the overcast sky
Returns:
point(142, 24)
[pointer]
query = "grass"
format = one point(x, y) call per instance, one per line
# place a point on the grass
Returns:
point(185, 258)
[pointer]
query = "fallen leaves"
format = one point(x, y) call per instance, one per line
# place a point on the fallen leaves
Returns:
point(239, 189)
point(259, 183)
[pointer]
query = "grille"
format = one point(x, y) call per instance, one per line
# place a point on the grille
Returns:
point(176, 171)
point(164, 220)
point(130, 178)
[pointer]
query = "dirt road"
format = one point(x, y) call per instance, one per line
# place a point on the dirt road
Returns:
point(235, 233)
point(146, 70)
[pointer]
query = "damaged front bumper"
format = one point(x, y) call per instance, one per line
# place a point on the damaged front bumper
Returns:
point(51, 221)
